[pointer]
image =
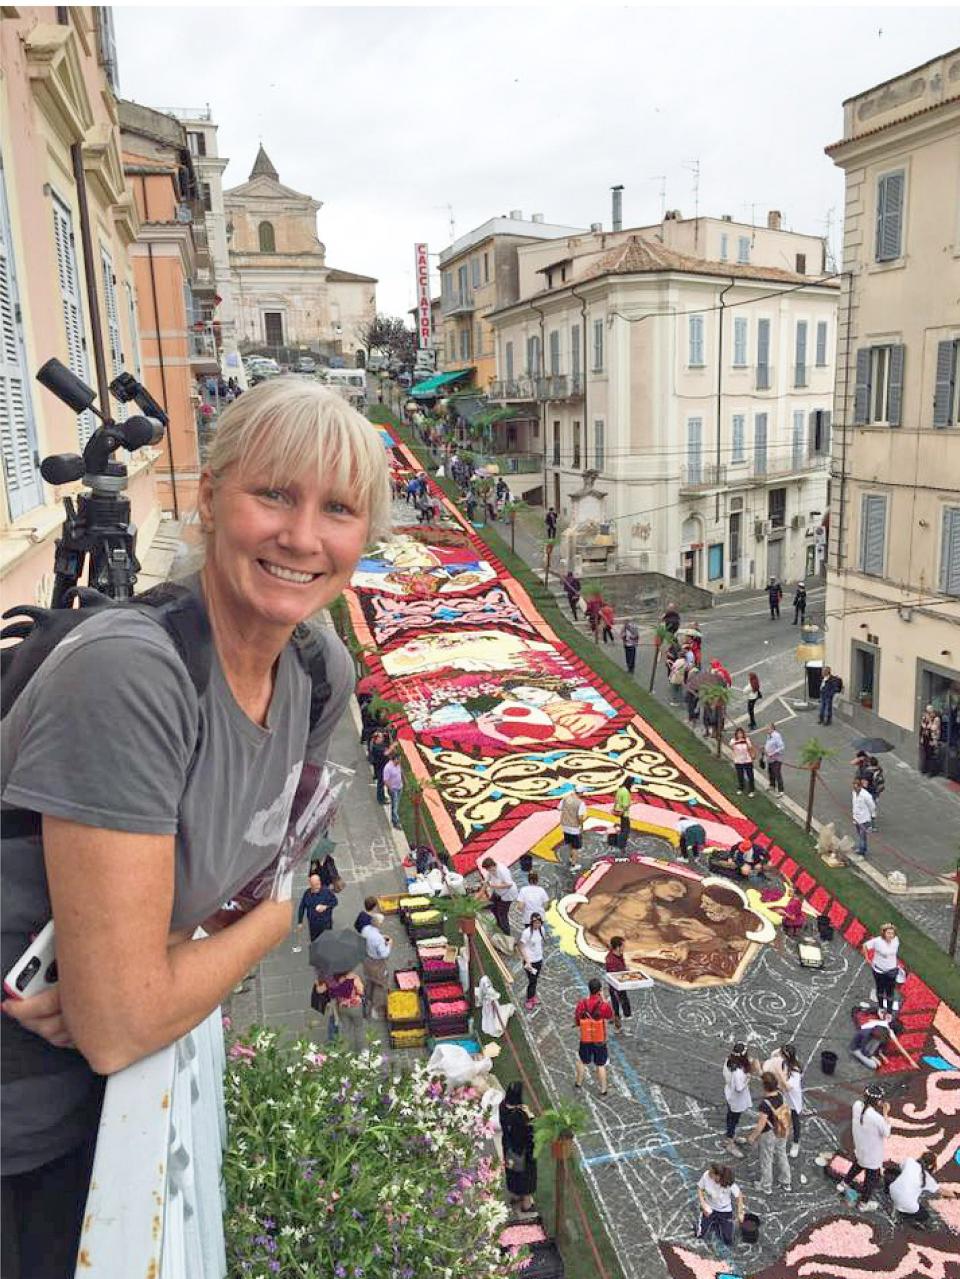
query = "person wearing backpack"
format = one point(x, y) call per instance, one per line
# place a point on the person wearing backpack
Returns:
point(770, 1134)
point(139, 797)
point(590, 1017)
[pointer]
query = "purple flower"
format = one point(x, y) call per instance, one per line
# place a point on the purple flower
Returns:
point(275, 1266)
point(269, 1223)
point(340, 1271)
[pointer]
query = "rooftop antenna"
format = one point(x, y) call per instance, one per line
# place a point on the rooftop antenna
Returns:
point(662, 179)
point(831, 262)
point(694, 167)
point(452, 222)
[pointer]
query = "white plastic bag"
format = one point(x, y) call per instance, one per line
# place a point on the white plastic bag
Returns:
point(456, 1065)
point(493, 1015)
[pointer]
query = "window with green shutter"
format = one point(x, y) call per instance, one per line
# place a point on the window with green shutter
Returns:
point(950, 551)
point(873, 534)
point(889, 238)
point(508, 361)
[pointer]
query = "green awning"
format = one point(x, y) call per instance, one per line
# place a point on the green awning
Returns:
point(428, 389)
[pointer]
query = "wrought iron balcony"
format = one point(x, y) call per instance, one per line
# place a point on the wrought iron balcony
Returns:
point(696, 476)
point(512, 389)
point(457, 303)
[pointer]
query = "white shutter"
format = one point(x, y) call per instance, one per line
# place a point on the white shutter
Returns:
point(695, 335)
point(740, 341)
point(134, 330)
point(873, 534)
point(950, 552)
point(69, 277)
point(113, 323)
point(821, 356)
point(694, 457)
point(18, 436)
point(739, 431)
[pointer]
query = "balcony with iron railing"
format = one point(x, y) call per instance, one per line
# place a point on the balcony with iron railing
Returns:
point(697, 476)
point(794, 463)
point(511, 463)
point(459, 302)
point(517, 388)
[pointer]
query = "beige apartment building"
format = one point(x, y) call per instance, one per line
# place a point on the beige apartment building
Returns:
point(893, 598)
point(59, 126)
point(677, 381)
point(478, 275)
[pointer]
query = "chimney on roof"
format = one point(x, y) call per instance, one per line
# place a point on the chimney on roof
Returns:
point(596, 226)
point(726, 217)
point(672, 215)
point(774, 218)
point(617, 217)
point(536, 217)
point(516, 215)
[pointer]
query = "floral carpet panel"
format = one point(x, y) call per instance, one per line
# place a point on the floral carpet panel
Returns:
point(500, 720)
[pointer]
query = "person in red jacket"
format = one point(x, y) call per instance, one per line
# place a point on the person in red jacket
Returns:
point(590, 1017)
point(616, 962)
point(718, 668)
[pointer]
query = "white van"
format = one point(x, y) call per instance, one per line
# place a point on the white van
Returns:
point(352, 383)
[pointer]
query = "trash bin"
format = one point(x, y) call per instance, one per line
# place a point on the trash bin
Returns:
point(828, 1062)
point(750, 1228)
point(814, 680)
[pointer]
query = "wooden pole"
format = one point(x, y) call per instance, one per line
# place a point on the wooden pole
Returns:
point(558, 1189)
point(814, 769)
point(955, 931)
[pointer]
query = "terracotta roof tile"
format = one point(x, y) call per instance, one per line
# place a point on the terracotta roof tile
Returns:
point(639, 256)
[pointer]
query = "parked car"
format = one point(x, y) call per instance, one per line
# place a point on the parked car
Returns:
point(377, 363)
point(306, 365)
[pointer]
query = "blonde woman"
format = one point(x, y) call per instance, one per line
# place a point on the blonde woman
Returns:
point(159, 803)
point(882, 954)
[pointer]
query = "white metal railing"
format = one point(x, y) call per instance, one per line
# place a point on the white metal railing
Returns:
point(155, 1205)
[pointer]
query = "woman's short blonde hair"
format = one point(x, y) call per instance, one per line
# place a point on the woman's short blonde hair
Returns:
point(287, 425)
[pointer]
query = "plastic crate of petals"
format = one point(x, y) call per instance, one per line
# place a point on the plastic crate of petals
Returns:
point(434, 970)
point(406, 978)
point(516, 1234)
point(431, 947)
point(449, 1018)
point(423, 924)
point(407, 904)
point(404, 1010)
point(542, 1262)
point(412, 1038)
point(445, 990)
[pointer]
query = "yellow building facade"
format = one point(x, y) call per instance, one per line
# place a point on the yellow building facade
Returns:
point(58, 119)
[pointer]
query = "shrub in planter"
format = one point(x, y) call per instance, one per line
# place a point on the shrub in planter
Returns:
point(337, 1166)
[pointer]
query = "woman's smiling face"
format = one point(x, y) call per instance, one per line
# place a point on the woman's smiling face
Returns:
point(278, 552)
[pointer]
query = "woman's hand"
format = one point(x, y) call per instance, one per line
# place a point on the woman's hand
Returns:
point(42, 1015)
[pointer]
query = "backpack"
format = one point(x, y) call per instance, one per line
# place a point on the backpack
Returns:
point(780, 1116)
point(177, 609)
point(593, 1030)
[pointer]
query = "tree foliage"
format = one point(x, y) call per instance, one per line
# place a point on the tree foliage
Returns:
point(389, 334)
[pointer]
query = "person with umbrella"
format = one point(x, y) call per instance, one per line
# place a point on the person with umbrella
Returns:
point(344, 999)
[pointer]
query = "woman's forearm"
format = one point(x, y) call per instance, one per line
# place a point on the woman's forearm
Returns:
point(174, 998)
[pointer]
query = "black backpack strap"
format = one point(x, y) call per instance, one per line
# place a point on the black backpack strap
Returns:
point(182, 615)
point(308, 641)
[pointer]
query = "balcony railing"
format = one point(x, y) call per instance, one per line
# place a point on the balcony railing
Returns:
point(576, 385)
point(511, 463)
point(190, 113)
point(774, 467)
point(155, 1204)
point(800, 375)
point(763, 379)
point(457, 302)
point(202, 346)
point(702, 475)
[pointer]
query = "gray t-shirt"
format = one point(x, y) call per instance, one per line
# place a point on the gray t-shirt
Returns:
point(111, 733)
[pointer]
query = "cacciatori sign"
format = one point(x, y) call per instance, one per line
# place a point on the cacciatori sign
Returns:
point(424, 326)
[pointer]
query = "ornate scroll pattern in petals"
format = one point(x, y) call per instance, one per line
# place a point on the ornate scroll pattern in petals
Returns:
point(391, 616)
point(478, 791)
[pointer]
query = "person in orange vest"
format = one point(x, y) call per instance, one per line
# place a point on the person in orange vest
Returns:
point(590, 1017)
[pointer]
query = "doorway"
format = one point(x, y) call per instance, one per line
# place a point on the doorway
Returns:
point(273, 328)
point(735, 546)
point(775, 557)
point(865, 668)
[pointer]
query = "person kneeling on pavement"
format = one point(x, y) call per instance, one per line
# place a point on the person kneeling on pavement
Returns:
point(907, 1182)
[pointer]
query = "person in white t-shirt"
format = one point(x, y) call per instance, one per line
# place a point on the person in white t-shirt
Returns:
point(533, 898)
point(501, 889)
point(785, 1064)
point(737, 1071)
point(719, 1197)
point(573, 813)
point(530, 946)
point(913, 1180)
point(871, 1128)
point(881, 953)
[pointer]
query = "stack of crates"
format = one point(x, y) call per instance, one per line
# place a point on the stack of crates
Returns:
point(405, 1020)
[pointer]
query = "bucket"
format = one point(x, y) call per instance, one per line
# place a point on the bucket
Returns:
point(824, 928)
point(455, 884)
point(828, 1062)
point(750, 1228)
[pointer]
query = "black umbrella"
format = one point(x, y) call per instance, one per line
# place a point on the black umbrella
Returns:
point(873, 745)
point(337, 952)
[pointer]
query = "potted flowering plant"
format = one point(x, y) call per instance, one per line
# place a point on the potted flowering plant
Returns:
point(462, 909)
point(556, 1127)
point(339, 1166)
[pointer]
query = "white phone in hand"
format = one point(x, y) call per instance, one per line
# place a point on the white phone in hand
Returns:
point(36, 969)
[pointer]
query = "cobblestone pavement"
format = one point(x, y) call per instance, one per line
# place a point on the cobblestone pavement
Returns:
point(663, 1122)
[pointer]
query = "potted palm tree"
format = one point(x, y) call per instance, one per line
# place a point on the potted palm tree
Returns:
point(549, 546)
point(556, 1127)
point(661, 635)
point(812, 754)
point(512, 509)
point(464, 910)
point(716, 698)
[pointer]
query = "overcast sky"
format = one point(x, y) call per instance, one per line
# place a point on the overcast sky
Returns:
point(389, 115)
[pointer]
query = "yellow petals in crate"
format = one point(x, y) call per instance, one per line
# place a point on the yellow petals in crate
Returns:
point(403, 1005)
point(408, 1038)
point(414, 903)
point(418, 918)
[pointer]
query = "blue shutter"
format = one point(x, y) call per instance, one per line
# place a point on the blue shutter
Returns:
point(821, 356)
point(950, 552)
point(801, 354)
point(695, 341)
point(694, 456)
point(873, 534)
point(945, 382)
point(861, 394)
point(18, 434)
point(889, 241)
point(895, 386)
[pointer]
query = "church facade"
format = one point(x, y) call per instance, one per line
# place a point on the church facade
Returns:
point(288, 301)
